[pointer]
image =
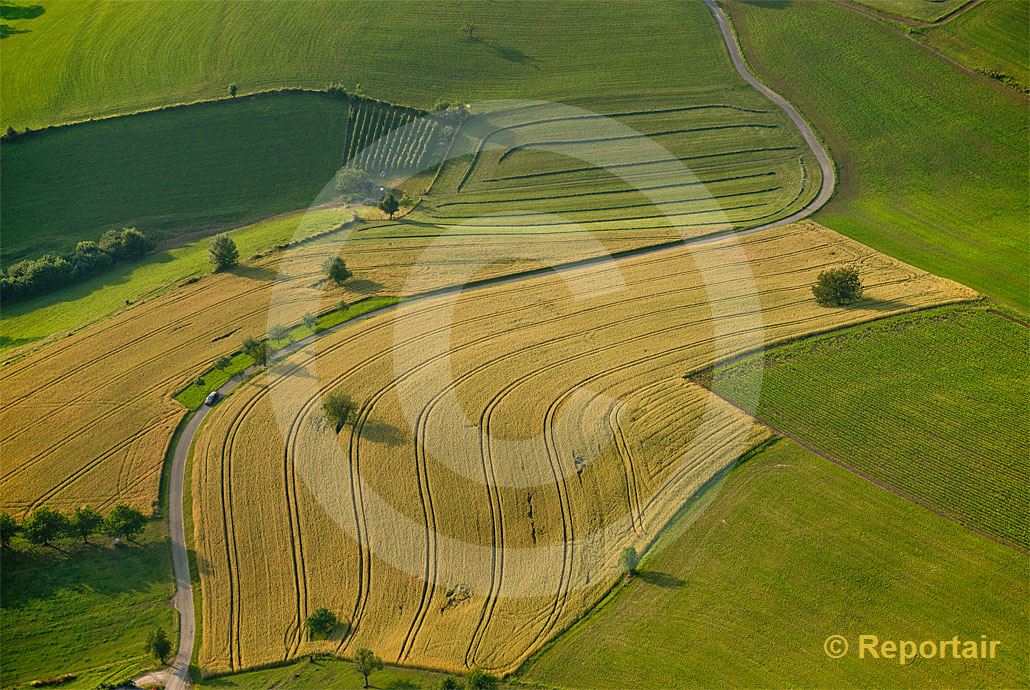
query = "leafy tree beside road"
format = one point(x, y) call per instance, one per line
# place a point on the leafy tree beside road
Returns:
point(367, 663)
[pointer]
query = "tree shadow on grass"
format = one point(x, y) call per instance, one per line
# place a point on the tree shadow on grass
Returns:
point(254, 272)
point(8, 30)
point(768, 4)
point(514, 55)
point(663, 580)
point(10, 10)
point(36, 573)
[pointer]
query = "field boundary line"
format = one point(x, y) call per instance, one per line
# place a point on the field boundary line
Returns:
point(909, 21)
point(698, 378)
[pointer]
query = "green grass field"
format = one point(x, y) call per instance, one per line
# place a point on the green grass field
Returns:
point(746, 584)
point(683, 165)
point(148, 54)
point(86, 612)
point(110, 292)
point(932, 159)
point(169, 172)
point(932, 405)
point(922, 10)
point(990, 36)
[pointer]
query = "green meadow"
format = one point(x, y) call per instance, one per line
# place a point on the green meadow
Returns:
point(932, 405)
point(748, 581)
point(85, 610)
point(143, 55)
point(921, 10)
point(932, 159)
point(169, 172)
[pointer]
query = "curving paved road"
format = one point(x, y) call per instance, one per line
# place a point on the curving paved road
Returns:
point(178, 675)
point(829, 181)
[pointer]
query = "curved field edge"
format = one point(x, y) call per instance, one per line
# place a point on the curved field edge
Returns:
point(947, 433)
point(787, 535)
point(246, 476)
point(904, 188)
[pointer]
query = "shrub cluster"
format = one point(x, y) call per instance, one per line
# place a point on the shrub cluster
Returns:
point(50, 272)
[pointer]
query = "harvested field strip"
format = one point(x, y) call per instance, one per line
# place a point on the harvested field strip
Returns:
point(639, 164)
point(140, 359)
point(511, 367)
point(956, 430)
point(627, 137)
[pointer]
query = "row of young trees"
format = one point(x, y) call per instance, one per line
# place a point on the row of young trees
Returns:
point(50, 272)
point(45, 526)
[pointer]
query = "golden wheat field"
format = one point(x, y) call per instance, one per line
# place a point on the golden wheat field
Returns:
point(87, 418)
point(508, 443)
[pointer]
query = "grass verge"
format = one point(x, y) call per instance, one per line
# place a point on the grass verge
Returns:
point(193, 396)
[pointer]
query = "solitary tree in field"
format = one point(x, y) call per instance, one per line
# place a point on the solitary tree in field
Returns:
point(469, 32)
point(159, 645)
point(389, 204)
point(321, 623)
point(366, 662)
point(837, 287)
point(629, 559)
point(336, 270)
point(126, 522)
point(85, 522)
point(478, 679)
point(223, 253)
point(8, 528)
point(339, 409)
point(232, 90)
point(310, 321)
point(45, 526)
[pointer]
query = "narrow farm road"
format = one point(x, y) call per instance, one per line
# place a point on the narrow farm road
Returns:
point(178, 675)
point(825, 162)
